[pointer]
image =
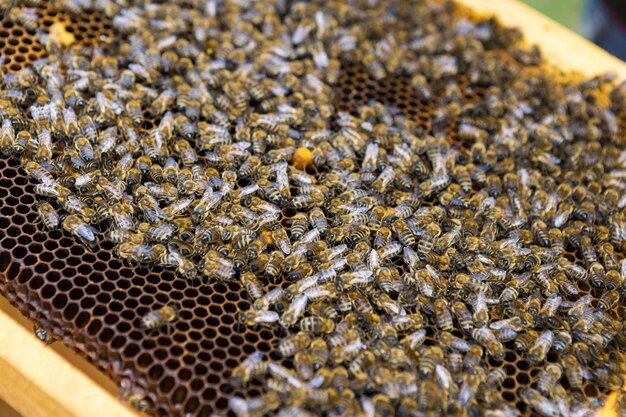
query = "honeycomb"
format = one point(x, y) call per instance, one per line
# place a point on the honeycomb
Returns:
point(18, 47)
point(91, 301)
point(21, 47)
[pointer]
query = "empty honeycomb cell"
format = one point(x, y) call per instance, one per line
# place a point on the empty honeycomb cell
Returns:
point(70, 311)
point(20, 220)
point(18, 252)
point(35, 248)
point(150, 289)
point(225, 331)
point(92, 289)
point(111, 319)
point(75, 261)
point(24, 276)
point(37, 237)
point(130, 304)
point(166, 385)
point(87, 303)
point(23, 240)
point(209, 394)
point(41, 268)
point(179, 395)
point(34, 281)
point(172, 364)
point(118, 341)
point(522, 378)
point(123, 327)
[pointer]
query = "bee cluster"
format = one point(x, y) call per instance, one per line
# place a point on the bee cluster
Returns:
point(403, 253)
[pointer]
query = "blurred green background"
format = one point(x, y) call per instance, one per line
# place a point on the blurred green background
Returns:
point(566, 12)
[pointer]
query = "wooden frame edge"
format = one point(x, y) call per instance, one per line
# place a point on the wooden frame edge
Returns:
point(38, 382)
point(559, 46)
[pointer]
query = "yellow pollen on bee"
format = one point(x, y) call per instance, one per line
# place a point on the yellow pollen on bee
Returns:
point(302, 158)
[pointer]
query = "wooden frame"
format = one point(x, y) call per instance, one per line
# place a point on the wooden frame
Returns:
point(36, 380)
point(560, 46)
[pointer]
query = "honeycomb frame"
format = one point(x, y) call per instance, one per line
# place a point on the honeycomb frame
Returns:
point(92, 301)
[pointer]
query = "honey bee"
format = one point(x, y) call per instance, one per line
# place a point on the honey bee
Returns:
point(404, 234)
point(48, 215)
point(550, 307)
point(318, 220)
point(463, 315)
point(472, 358)
point(185, 267)
point(252, 367)
point(218, 267)
point(538, 402)
point(243, 238)
point(141, 253)
point(86, 233)
point(613, 280)
point(548, 378)
point(7, 138)
point(262, 317)
point(317, 325)
point(256, 406)
point(290, 346)
point(416, 339)
point(272, 268)
point(469, 388)
point(450, 341)
point(609, 299)
point(383, 237)
point(163, 316)
point(524, 340)
point(562, 340)
point(252, 285)
point(481, 313)
point(485, 337)
point(344, 353)
point(496, 377)
point(443, 317)
point(25, 16)
point(540, 347)
point(133, 395)
point(43, 335)
point(294, 311)
point(426, 244)
point(431, 357)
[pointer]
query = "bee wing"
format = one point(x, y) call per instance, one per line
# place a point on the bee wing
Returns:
point(238, 405)
point(298, 305)
point(368, 407)
point(253, 359)
point(373, 260)
point(267, 316)
point(443, 375)
point(279, 371)
point(500, 324)
point(410, 257)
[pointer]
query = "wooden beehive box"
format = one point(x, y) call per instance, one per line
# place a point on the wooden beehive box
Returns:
point(39, 380)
